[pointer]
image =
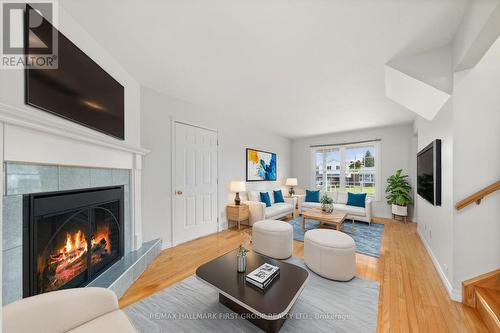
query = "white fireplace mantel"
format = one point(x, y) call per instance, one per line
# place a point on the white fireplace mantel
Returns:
point(30, 136)
point(30, 120)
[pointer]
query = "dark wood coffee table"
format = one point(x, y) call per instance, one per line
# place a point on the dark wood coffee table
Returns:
point(267, 309)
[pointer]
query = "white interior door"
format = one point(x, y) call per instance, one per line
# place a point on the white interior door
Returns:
point(195, 182)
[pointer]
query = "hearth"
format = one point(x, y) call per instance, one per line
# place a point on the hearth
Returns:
point(70, 237)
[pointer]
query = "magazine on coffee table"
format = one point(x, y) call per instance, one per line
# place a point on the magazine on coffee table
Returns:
point(263, 276)
point(264, 285)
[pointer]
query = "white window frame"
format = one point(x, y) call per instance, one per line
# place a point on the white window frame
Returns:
point(342, 148)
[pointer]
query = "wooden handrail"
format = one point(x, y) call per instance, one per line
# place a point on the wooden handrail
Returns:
point(478, 196)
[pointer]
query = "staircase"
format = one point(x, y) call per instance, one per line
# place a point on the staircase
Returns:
point(483, 294)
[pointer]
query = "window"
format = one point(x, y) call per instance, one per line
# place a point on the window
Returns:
point(349, 168)
point(360, 169)
point(327, 169)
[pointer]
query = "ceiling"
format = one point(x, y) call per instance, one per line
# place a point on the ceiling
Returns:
point(294, 67)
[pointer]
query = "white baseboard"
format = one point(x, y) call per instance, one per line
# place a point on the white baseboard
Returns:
point(165, 245)
point(454, 294)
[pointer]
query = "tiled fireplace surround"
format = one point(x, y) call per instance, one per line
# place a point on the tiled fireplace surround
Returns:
point(23, 178)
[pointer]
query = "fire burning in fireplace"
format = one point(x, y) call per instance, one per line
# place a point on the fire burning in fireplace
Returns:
point(101, 244)
point(70, 259)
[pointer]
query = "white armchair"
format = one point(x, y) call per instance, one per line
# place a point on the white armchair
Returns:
point(259, 211)
point(70, 310)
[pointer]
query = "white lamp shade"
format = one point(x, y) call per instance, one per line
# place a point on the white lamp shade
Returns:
point(291, 182)
point(237, 186)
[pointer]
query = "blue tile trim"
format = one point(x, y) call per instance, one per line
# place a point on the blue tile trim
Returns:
point(12, 275)
point(12, 221)
point(30, 178)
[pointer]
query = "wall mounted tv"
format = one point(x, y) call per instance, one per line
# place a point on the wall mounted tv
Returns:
point(78, 90)
point(429, 173)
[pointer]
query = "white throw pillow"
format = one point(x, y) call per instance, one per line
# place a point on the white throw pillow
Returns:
point(342, 198)
point(254, 196)
point(333, 195)
point(271, 196)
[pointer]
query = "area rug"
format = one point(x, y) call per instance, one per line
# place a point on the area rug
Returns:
point(323, 306)
point(366, 236)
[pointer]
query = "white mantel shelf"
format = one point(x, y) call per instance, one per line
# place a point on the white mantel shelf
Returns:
point(24, 118)
point(38, 137)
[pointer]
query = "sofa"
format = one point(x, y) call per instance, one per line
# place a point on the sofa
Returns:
point(259, 211)
point(340, 204)
point(70, 310)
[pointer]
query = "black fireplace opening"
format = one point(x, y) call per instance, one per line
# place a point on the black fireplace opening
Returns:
point(70, 237)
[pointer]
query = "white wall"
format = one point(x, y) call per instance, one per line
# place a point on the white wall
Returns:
point(435, 223)
point(32, 135)
point(235, 135)
point(394, 154)
point(412, 172)
point(476, 160)
point(478, 29)
point(464, 244)
point(12, 100)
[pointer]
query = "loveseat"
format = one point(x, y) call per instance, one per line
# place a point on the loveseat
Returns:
point(259, 211)
point(340, 204)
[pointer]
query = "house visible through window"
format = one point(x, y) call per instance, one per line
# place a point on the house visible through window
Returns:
point(327, 174)
point(349, 168)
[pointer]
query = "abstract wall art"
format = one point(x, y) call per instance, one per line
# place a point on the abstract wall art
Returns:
point(261, 165)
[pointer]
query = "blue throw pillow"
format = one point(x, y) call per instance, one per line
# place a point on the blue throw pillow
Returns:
point(312, 196)
point(355, 199)
point(264, 197)
point(278, 196)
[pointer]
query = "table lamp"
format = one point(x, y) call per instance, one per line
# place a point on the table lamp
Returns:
point(237, 187)
point(291, 182)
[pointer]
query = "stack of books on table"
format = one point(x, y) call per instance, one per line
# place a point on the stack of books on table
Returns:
point(263, 276)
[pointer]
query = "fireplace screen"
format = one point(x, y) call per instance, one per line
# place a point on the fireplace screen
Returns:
point(71, 237)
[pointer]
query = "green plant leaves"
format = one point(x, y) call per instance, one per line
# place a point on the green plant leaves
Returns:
point(325, 200)
point(398, 189)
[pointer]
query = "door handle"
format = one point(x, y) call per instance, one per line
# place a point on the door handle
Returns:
point(178, 192)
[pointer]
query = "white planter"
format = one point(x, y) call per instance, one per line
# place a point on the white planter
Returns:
point(399, 210)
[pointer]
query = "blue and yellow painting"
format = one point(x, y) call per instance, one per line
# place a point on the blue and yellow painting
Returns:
point(261, 165)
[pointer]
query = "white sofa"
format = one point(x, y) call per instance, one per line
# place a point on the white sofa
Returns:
point(259, 211)
point(70, 310)
point(340, 203)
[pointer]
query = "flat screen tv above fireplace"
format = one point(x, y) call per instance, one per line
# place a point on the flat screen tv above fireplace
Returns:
point(79, 89)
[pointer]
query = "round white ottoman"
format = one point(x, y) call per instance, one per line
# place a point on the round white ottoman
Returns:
point(273, 238)
point(330, 253)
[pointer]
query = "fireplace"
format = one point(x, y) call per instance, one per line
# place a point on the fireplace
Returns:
point(70, 237)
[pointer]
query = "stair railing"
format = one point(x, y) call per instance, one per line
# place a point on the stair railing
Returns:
point(478, 196)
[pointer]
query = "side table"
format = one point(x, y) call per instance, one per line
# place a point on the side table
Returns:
point(237, 213)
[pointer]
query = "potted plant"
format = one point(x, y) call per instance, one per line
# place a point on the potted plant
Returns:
point(398, 193)
point(326, 203)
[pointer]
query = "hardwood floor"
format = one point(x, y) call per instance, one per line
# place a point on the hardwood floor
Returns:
point(412, 297)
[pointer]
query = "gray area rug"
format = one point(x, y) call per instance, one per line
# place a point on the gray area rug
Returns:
point(323, 306)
